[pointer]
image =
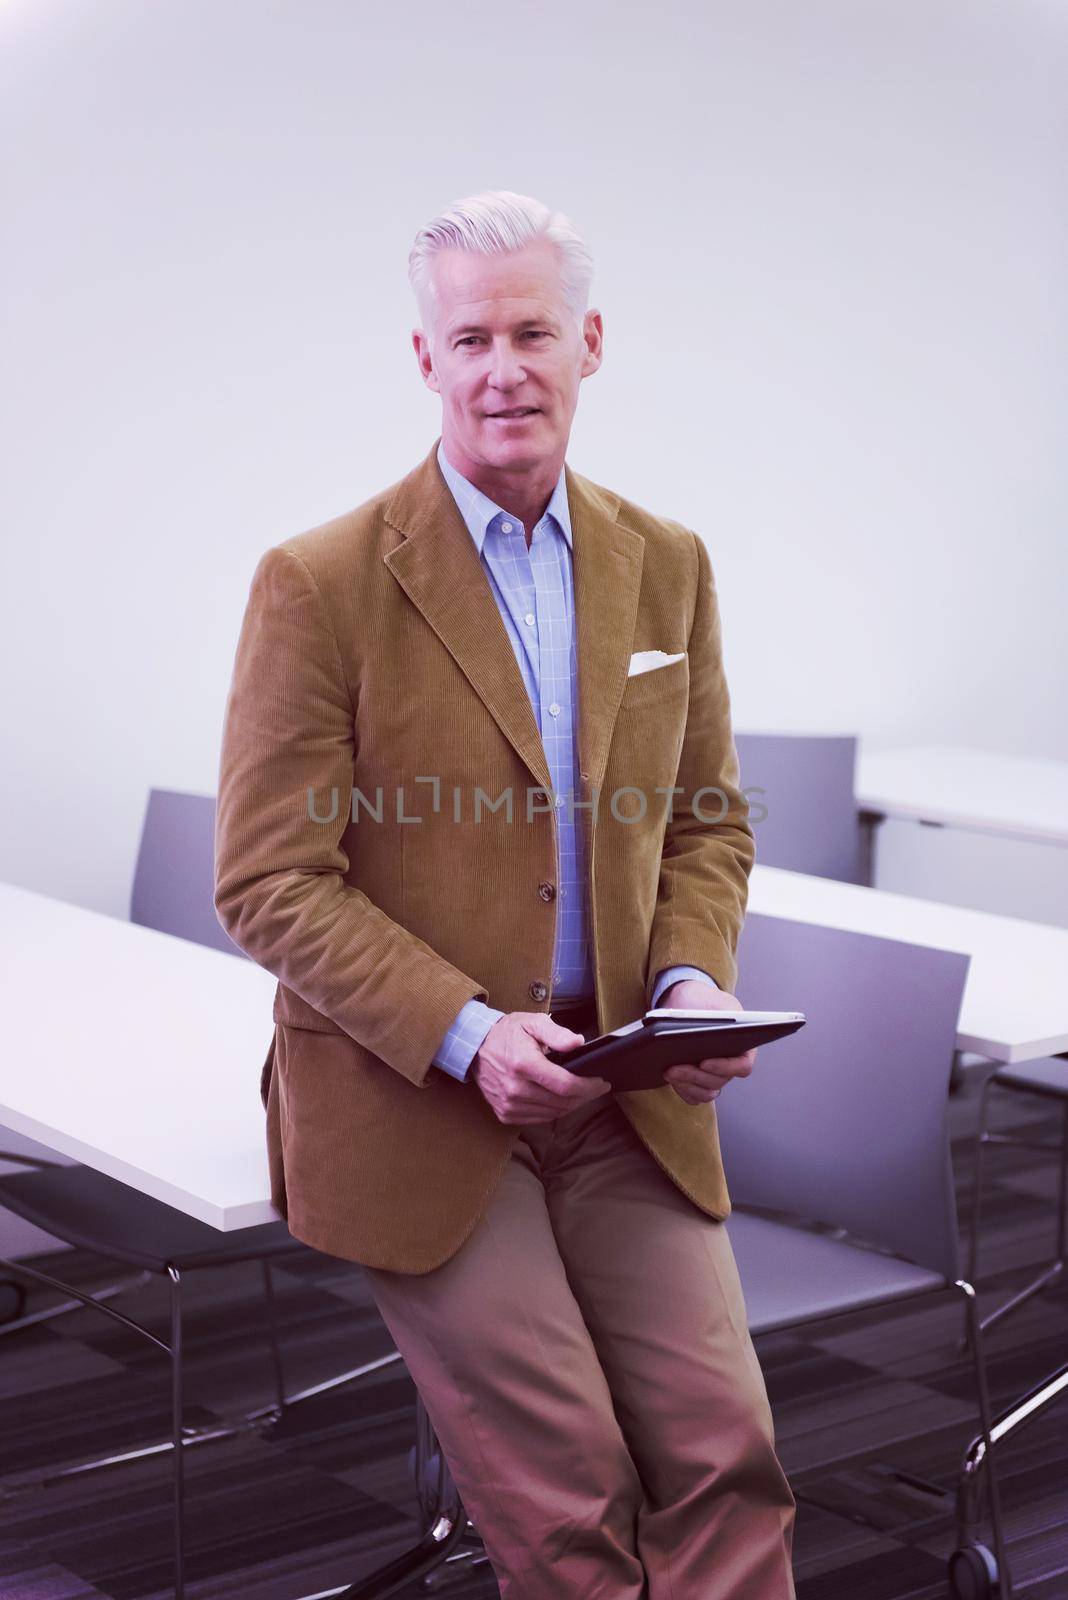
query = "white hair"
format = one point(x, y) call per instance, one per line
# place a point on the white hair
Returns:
point(491, 223)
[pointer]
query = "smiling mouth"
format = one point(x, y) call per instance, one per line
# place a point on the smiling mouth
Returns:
point(512, 416)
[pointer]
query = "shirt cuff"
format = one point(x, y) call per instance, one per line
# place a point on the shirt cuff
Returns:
point(464, 1038)
point(671, 975)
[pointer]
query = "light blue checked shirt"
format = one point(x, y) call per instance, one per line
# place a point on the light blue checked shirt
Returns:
point(534, 593)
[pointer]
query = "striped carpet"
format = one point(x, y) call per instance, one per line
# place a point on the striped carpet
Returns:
point(872, 1412)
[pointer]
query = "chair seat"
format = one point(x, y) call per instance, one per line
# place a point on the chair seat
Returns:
point(790, 1275)
point(95, 1212)
point(1048, 1076)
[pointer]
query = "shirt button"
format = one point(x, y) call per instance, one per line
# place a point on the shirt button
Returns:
point(547, 891)
point(529, 619)
point(554, 710)
point(506, 527)
point(538, 991)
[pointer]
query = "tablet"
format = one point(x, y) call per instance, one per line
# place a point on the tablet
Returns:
point(637, 1055)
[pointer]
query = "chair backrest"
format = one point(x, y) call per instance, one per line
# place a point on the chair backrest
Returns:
point(846, 1122)
point(806, 783)
point(174, 881)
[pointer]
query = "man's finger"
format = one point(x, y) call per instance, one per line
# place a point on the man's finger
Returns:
point(699, 1079)
point(541, 1026)
point(706, 1072)
point(733, 1062)
point(557, 1079)
point(728, 1066)
point(529, 1106)
point(693, 1096)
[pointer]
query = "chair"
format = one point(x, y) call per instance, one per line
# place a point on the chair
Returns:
point(173, 884)
point(1048, 1080)
point(805, 782)
point(174, 878)
point(838, 1159)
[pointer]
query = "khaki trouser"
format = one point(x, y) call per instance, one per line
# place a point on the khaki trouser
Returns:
point(585, 1361)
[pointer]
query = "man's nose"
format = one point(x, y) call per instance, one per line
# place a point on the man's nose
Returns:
point(506, 370)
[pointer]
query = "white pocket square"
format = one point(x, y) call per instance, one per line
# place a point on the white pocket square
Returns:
point(646, 660)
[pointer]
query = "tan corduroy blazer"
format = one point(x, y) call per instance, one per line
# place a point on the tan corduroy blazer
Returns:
point(375, 698)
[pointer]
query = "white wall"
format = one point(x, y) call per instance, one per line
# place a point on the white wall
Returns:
point(831, 247)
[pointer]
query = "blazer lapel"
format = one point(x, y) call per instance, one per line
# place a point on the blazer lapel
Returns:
point(607, 566)
point(439, 569)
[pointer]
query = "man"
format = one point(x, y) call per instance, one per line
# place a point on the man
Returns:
point(449, 801)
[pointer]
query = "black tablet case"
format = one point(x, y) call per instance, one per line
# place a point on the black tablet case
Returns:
point(637, 1060)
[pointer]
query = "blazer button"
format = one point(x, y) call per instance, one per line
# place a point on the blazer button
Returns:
point(538, 990)
point(547, 891)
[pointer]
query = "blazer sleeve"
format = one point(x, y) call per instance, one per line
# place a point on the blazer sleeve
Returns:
point(280, 892)
point(709, 845)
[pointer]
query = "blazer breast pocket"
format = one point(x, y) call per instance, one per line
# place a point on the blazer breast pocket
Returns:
point(648, 735)
point(657, 686)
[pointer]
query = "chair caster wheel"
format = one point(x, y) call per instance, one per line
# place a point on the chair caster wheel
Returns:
point(973, 1573)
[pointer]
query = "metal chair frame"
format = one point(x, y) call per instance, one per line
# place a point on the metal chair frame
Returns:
point(1055, 1268)
point(444, 1524)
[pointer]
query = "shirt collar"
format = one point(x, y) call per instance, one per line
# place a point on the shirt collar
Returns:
point(478, 510)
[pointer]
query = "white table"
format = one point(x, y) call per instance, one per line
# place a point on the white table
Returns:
point(1015, 1004)
point(973, 827)
point(978, 790)
point(138, 1054)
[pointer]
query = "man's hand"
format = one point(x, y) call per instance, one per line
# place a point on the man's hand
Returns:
point(703, 1080)
point(516, 1079)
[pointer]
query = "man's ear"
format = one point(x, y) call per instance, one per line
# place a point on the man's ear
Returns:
point(593, 338)
point(421, 345)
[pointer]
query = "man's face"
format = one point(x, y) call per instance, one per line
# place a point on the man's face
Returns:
point(504, 341)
